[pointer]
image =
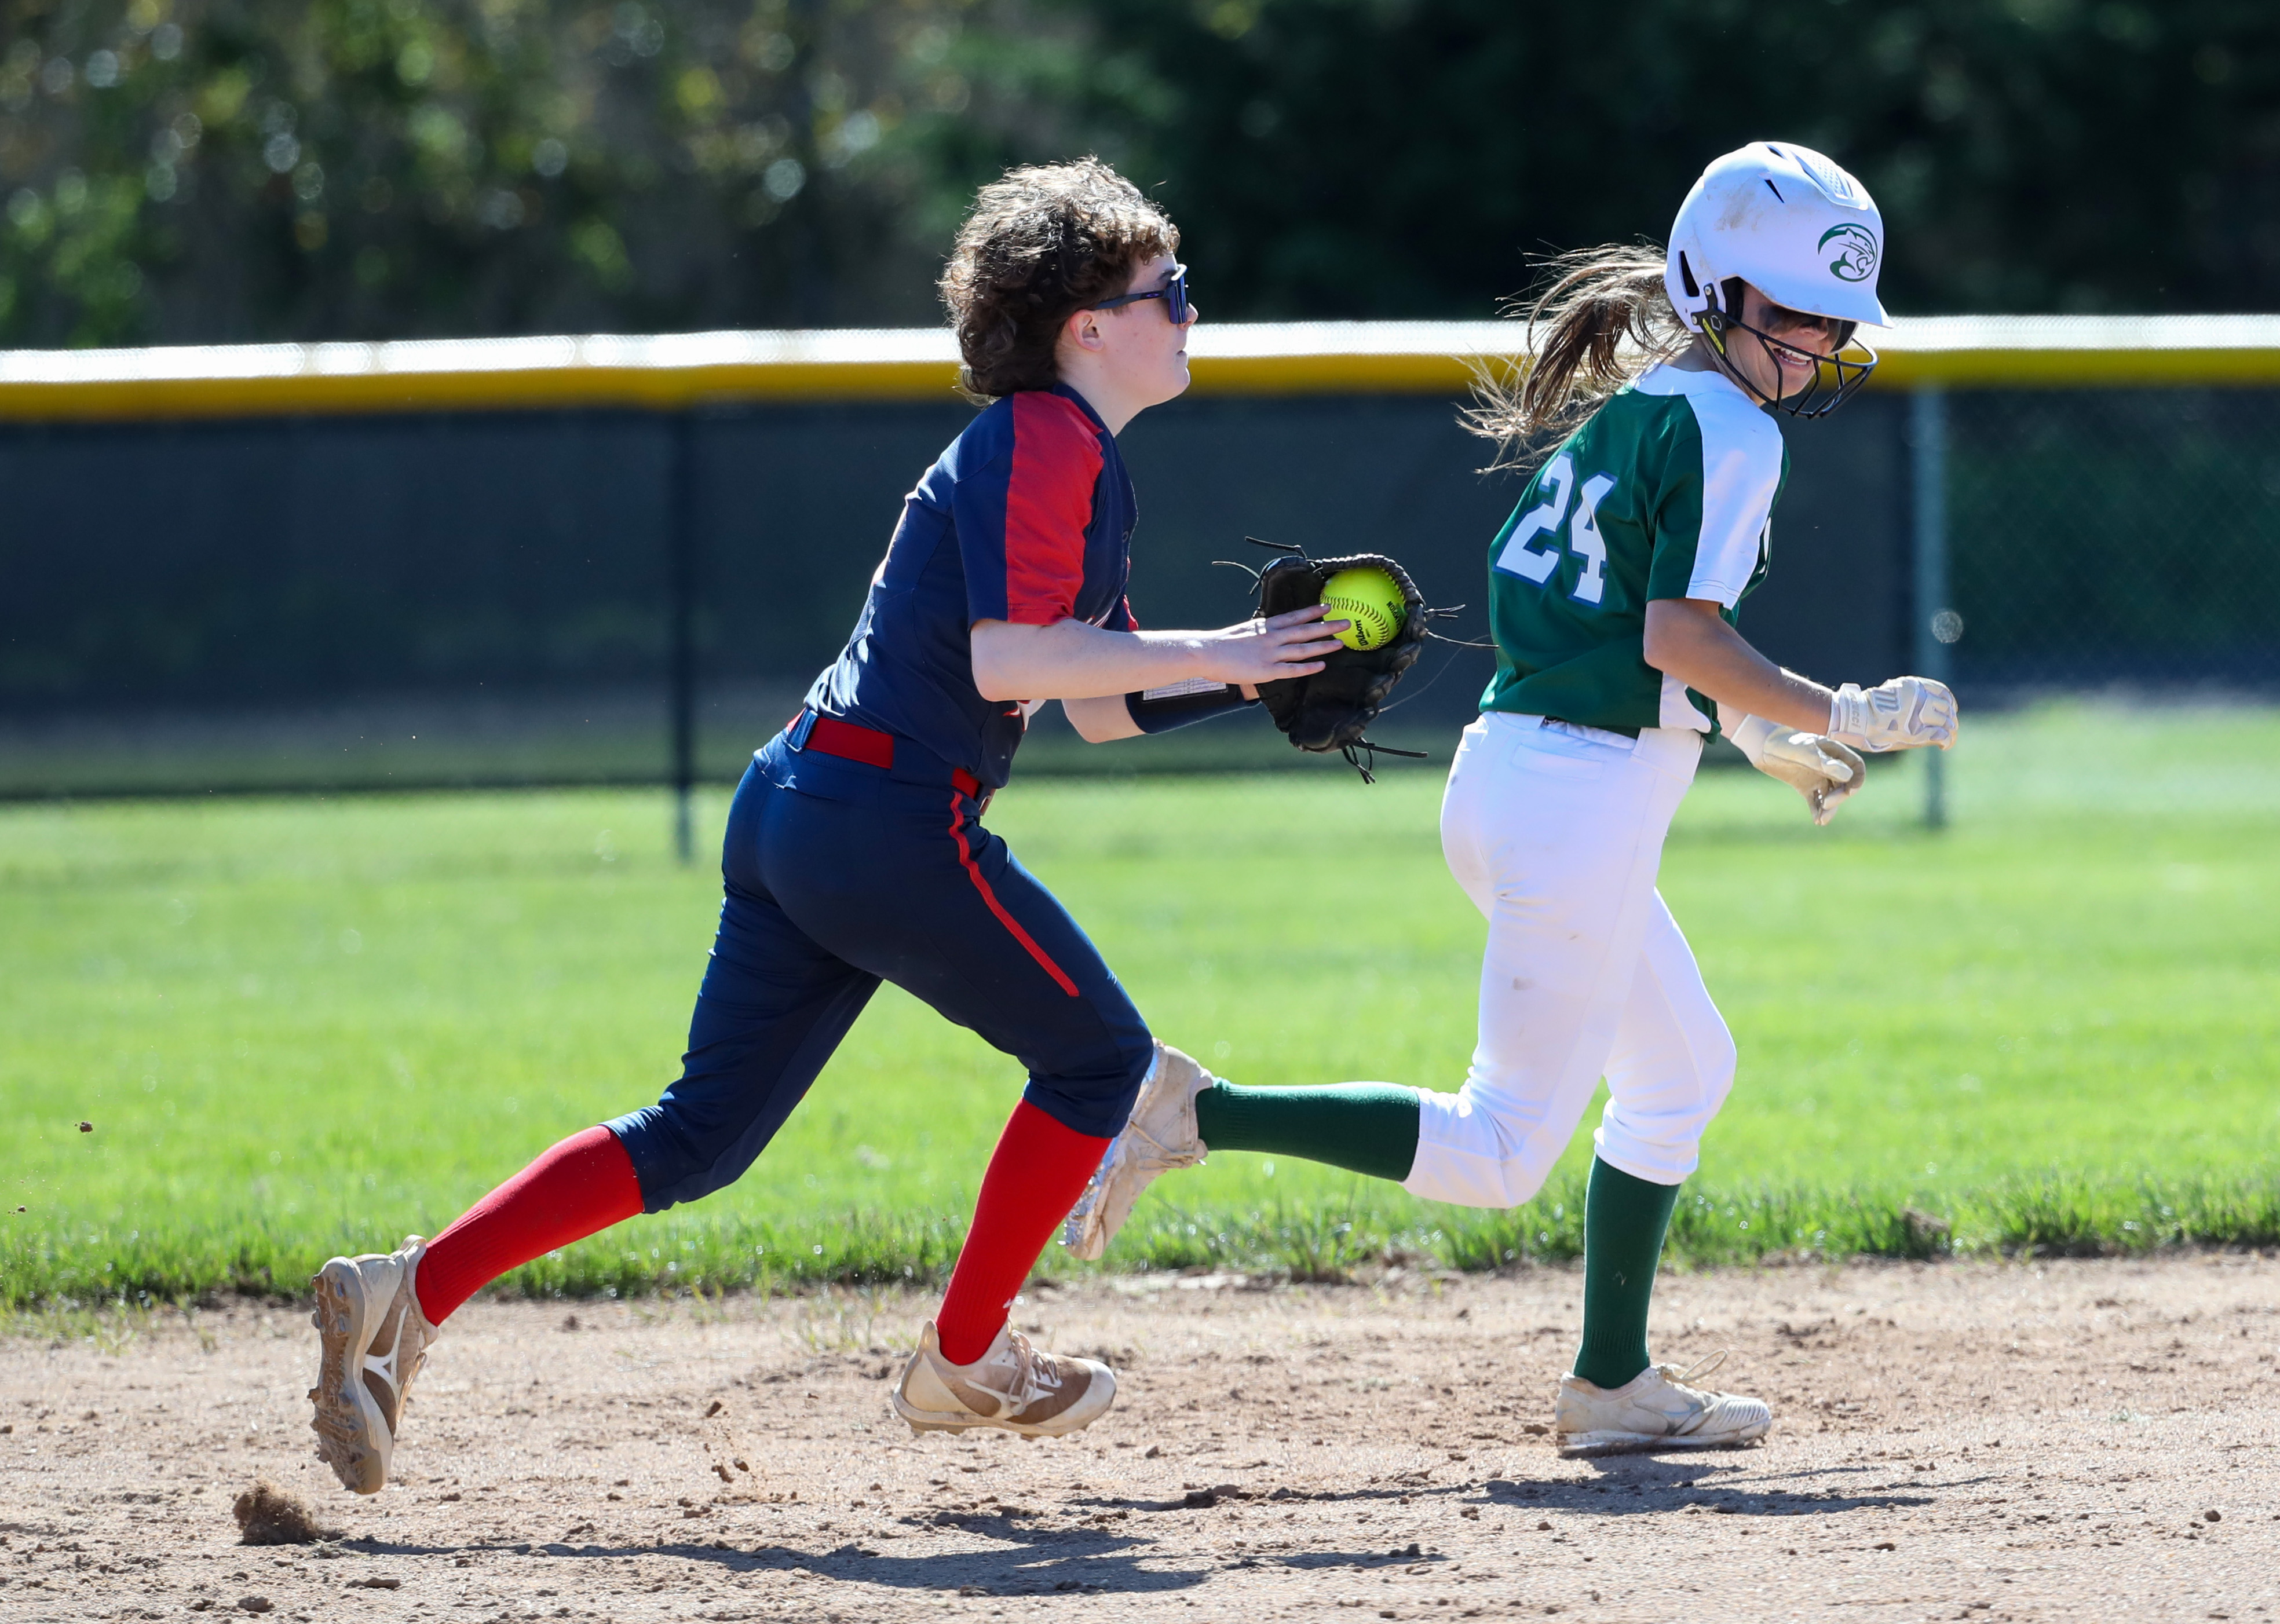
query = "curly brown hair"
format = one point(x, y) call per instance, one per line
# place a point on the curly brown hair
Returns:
point(1043, 242)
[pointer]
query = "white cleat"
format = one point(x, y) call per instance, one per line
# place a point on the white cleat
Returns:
point(1013, 1387)
point(1655, 1409)
point(374, 1338)
point(1159, 1136)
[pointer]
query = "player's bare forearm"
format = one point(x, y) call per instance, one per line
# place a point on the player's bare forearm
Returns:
point(1101, 721)
point(1072, 661)
point(1688, 639)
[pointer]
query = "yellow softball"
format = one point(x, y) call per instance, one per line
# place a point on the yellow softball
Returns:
point(1371, 600)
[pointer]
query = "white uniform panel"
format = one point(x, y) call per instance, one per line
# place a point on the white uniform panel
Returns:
point(1678, 709)
point(1741, 476)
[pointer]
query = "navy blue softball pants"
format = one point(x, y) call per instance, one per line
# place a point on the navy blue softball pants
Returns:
point(839, 875)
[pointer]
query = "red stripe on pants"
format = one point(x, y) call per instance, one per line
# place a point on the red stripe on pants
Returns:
point(966, 861)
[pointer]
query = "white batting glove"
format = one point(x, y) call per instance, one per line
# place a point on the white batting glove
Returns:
point(1900, 714)
point(1821, 769)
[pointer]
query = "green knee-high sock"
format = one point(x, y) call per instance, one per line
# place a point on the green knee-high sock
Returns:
point(1362, 1126)
point(1624, 1221)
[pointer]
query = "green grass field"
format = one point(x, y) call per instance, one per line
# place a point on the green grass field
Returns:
point(306, 1026)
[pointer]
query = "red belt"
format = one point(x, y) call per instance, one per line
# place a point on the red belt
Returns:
point(866, 745)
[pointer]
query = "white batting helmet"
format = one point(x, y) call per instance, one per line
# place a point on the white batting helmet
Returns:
point(1788, 222)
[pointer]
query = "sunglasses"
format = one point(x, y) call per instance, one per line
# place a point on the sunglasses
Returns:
point(1833, 378)
point(1778, 317)
point(1173, 293)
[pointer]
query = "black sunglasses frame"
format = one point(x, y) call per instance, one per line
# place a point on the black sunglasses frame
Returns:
point(1173, 293)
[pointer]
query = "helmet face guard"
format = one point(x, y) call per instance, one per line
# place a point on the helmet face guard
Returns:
point(1834, 379)
point(1794, 226)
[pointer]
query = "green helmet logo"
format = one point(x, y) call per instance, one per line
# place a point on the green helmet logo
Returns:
point(1854, 259)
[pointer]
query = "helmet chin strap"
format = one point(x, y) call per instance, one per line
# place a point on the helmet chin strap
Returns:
point(1716, 322)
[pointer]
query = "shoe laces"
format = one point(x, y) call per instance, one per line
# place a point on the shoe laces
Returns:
point(1163, 1155)
point(1684, 1379)
point(1028, 1381)
point(1028, 1362)
point(1708, 1365)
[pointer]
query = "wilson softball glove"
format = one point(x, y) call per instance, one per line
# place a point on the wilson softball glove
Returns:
point(1818, 769)
point(1332, 709)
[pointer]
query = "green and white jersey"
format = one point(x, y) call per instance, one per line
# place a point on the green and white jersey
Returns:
point(1667, 491)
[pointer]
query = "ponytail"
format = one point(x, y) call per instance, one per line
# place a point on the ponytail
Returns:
point(1605, 320)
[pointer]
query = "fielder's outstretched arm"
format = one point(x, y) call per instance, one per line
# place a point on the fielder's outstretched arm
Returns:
point(1104, 719)
point(1068, 659)
point(1072, 661)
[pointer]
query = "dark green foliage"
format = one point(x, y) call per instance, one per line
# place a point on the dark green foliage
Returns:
point(243, 169)
point(1351, 157)
point(207, 170)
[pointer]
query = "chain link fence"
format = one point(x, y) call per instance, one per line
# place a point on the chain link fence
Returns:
point(2104, 539)
point(297, 605)
point(548, 597)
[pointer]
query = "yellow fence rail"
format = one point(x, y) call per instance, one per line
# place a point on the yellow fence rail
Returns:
point(674, 372)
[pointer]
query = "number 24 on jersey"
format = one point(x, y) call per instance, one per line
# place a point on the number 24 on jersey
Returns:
point(1533, 552)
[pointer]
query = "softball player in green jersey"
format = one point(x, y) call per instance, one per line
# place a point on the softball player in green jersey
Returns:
point(1613, 592)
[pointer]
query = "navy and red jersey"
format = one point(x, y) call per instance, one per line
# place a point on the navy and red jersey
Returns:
point(1028, 518)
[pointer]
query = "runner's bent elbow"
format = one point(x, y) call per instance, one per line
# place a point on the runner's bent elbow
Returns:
point(1676, 635)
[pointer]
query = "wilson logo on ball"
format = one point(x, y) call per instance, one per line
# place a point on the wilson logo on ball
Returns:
point(1371, 601)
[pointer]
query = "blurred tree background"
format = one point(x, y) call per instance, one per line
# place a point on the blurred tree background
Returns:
point(187, 171)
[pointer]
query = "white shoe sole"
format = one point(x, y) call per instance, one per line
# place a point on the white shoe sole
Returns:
point(349, 1424)
point(1076, 1418)
point(1585, 1444)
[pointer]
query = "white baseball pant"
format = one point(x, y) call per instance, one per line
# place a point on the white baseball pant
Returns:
point(1556, 832)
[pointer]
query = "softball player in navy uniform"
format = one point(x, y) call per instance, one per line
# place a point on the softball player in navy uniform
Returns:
point(856, 851)
point(1613, 592)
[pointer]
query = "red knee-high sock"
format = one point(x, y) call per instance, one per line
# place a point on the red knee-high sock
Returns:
point(1036, 1176)
point(582, 1185)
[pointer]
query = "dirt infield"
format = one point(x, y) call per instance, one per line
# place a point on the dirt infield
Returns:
point(2063, 1440)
